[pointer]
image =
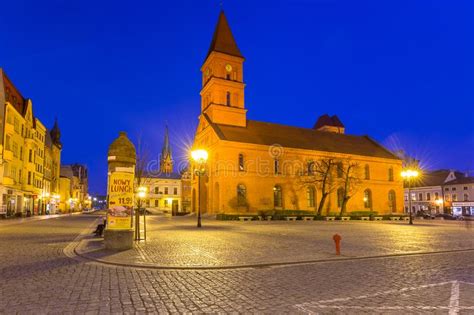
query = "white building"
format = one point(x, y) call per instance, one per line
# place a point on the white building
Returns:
point(438, 191)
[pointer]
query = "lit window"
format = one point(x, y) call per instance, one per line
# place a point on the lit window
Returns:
point(311, 168)
point(367, 199)
point(310, 192)
point(277, 197)
point(392, 202)
point(276, 166)
point(241, 162)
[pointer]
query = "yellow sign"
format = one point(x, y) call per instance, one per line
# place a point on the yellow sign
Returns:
point(120, 193)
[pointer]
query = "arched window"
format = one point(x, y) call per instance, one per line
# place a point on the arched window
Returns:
point(311, 168)
point(241, 162)
point(340, 170)
point(367, 171)
point(241, 195)
point(340, 197)
point(367, 199)
point(390, 174)
point(277, 197)
point(392, 202)
point(310, 192)
point(228, 98)
point(276, 166)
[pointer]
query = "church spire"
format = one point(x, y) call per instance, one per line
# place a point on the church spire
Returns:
point(223, 41)
point(56, 134)
point(166, 160)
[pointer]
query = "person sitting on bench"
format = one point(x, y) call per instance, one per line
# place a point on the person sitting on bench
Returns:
point(99, 231)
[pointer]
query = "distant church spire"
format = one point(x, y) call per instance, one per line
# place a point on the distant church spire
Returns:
point(223, 41)
point(56, 134)
point(166, 160)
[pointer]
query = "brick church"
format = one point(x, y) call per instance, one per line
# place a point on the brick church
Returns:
point(255, 165)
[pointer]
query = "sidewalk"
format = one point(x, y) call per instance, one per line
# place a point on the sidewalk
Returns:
point(14, 221)
point(176, 243)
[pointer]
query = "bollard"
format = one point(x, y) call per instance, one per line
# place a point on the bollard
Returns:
point(337, 240)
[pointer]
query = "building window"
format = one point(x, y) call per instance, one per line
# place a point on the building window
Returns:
point(7, 142)
point(420, 197)
point(241, 195)
point(166, 190)
point(156, 190)
point(446, 189)
point(228, 98)
point(310, 192)
point(166, 203)
point(310, 168)
point(428, 196)
point(277, 196)
point(340, 170)
point(276, 166)
point(30, 156)
point(175, 190)
point(392, 201)
point(436, 196)
point(241, 162)
point(455, 197)
point(367, 199)
point(466, 197)
point(447, 197)
point(406, 197)
point(465, 187)
point(340, 197)
point(29, 178)
point(156, 202)
point(367, 171)
point(453, 189)
point(227, 76)
point(390, 174)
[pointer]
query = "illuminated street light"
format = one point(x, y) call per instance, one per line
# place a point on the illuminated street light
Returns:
point(200, 158)
point(141, 194)
point(409, 175)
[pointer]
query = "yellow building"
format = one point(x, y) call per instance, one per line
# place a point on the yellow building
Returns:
point(256, 166)
point(23, 185)
point(65, 197)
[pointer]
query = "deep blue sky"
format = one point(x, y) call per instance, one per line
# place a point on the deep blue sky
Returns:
point(399, 71)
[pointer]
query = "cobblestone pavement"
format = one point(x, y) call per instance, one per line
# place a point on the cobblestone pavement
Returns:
point(37, 277)
point(176, 242)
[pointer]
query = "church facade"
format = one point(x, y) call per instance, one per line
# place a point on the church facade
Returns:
point(255, 166)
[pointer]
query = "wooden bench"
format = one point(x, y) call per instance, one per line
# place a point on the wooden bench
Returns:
point(308, 218)
point(267, 218)
point(245, 218)
point(345, 218)
point(290, 218)
point(330, 218)
point(395, 218)
point(406, 218)
point(378, 218)
point(365, 218)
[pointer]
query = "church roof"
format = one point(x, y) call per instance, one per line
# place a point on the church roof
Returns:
point(263, 133)
point(166, 150)
point(223, 41)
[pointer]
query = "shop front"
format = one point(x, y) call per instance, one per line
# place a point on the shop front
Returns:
point(465, 208)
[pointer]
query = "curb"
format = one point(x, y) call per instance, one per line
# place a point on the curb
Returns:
point(261, 265)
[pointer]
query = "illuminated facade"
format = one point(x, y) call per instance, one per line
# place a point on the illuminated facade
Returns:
point(29, 170)
point(256, 166)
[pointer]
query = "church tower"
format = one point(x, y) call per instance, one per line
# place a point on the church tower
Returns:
point(222, 93)
point(166, 160)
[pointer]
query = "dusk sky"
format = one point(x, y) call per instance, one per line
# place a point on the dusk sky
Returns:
point(399, 71)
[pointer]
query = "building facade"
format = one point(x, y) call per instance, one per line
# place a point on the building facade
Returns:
point(254, 166)
point(28, 178)
point(164, 186)
point(78, 198)
point(441, 191)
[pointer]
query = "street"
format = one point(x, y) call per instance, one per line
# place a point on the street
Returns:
point(41, 274)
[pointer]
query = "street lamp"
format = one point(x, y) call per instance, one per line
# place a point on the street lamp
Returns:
point(408, 175)
point(141, 194)
point(200, 158)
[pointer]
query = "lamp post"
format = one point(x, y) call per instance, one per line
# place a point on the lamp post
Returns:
point(200, 158)
point(141, 194)
point(408, 175)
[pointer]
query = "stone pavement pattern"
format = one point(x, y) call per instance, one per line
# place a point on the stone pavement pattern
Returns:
point(37, 277)
point(176, 242)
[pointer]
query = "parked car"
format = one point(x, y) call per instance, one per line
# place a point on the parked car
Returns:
point(446, 216)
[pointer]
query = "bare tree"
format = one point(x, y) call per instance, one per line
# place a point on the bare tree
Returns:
point(320, 174)
point(142, 177)
point(351, 181)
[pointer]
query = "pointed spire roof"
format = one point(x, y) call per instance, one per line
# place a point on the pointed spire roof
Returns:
point(166, 151)
point(223, 41)
point(55, 133)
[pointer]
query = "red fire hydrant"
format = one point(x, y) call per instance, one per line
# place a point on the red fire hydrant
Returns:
point(337, 240)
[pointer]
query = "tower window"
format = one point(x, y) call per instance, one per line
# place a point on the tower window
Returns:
point(227, 76)
point(241, 162)
point(228, 98)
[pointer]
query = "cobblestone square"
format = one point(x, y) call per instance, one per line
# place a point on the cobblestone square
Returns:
point(42, 274)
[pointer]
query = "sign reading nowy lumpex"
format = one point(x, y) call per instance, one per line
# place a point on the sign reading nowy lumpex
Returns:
point(120, 193)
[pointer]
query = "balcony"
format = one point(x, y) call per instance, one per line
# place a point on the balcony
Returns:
point(8, 155)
